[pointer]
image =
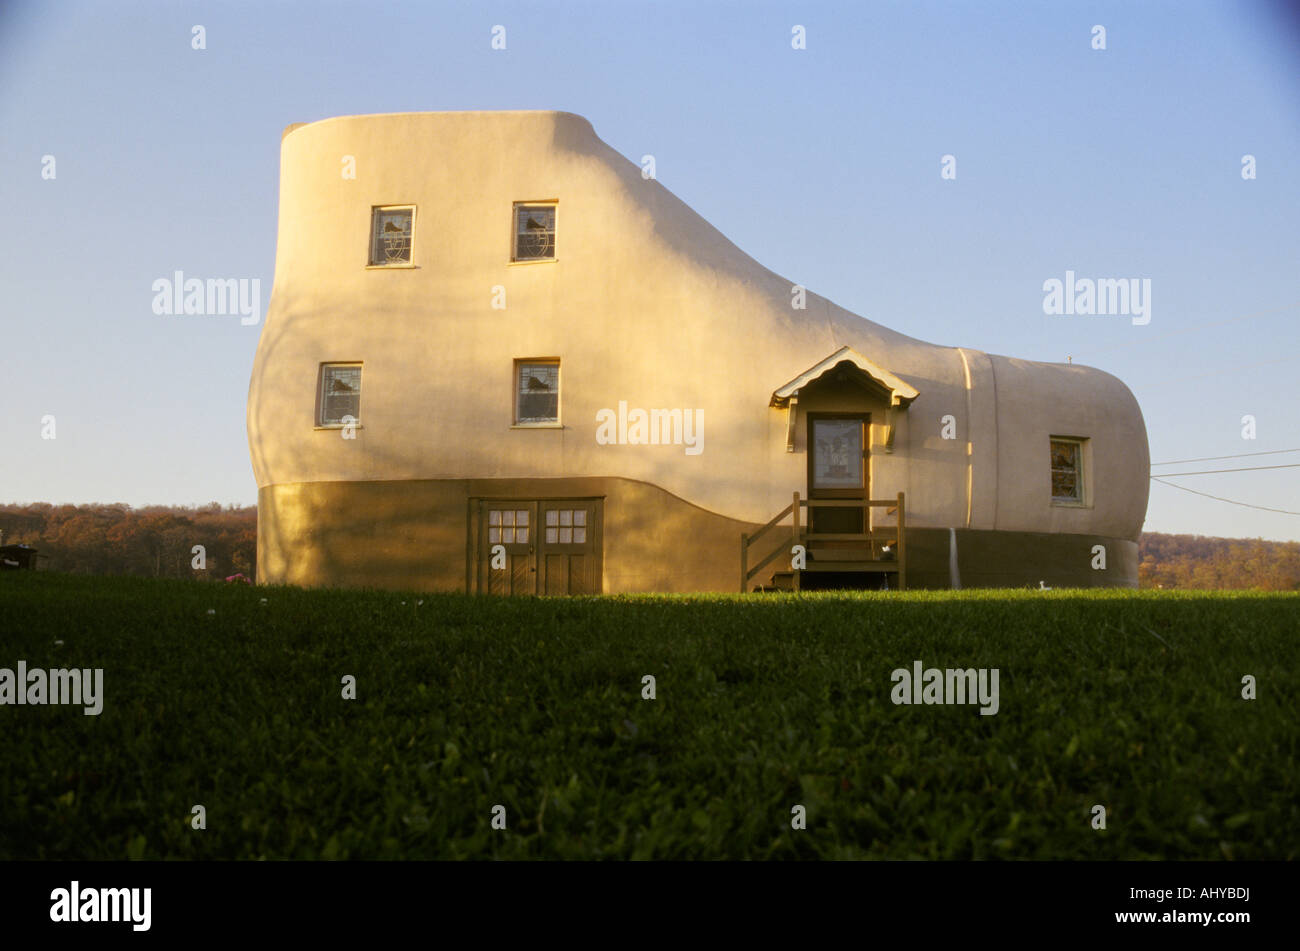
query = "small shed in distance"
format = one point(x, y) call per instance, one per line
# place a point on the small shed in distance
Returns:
point(17, 557)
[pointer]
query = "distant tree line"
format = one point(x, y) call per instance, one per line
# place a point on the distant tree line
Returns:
point(1195, 561)
point(156, 541)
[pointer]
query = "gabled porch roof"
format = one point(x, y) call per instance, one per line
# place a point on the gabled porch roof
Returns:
point(901, 393)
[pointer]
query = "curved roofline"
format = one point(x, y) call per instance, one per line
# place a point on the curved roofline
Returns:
point(295, 126)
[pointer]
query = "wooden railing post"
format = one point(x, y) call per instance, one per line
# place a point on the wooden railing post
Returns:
point(794, 509)
point(902, 545)
point(744, 562)
point(794, 529)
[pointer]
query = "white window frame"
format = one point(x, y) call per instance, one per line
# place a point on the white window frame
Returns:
point(375, 210)
point(514, 393)
point(322, 376)
point(554, 205)
point(1084, 475)
point(557, 522)
point(497, 525)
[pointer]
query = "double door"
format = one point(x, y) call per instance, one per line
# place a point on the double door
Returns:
point(538, 546)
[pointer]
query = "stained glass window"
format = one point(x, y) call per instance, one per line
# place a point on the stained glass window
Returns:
point(534, 232)
point(537, 393)
point(340, 393)
point(390, 235)
point(1067, 470)
point(837, 453)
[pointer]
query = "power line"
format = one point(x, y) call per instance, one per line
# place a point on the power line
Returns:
point(1221, 499)
point(1238, 455)
point(1292, 465)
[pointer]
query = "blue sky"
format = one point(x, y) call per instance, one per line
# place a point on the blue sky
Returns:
point(823, 164)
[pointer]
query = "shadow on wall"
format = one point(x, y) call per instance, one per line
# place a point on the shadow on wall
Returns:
point(655, 541)
point(395, 535)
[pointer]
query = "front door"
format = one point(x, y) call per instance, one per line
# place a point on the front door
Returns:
point(538, 546)
point(837, 469)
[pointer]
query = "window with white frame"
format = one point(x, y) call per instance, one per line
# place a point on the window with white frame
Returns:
point(537, 392)
point(534, 231)
point(508, 526)
point(392, 230)
point(340, 393)
point(1068, 475)
point(566, 526)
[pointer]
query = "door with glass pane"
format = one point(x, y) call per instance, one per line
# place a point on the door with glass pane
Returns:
point(550, 546)
point(569, 558)
point(507, 547)
point(837, 468)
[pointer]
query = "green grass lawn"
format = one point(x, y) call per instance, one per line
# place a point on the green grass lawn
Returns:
point(1130, 700)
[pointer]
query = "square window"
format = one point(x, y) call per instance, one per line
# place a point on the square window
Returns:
point(537, 392)
point(340, 394)
point(1067, 471)
point(391, 232)
point(566, 526)
point(534, 232)
point(509, 526)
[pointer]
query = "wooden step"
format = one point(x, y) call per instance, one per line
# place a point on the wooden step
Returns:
point(781, 581)
point(842, 554)
point(785, 580)
point(889, 567)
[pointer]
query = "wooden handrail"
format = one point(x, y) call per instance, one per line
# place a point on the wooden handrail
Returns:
point(801, 534)
point(771, 556)
point(772, 524)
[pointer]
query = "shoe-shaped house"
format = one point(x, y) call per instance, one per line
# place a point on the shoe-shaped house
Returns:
point(498, 358)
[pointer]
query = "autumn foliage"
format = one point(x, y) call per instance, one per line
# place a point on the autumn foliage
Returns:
point(155, 541)
point(1195, 561)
